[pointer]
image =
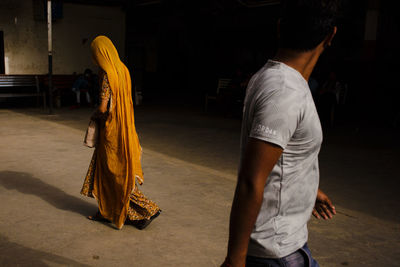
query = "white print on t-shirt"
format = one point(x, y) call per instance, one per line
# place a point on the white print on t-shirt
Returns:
point(264, 129)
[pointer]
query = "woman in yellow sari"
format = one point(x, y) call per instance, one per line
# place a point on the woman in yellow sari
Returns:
point(116, 168)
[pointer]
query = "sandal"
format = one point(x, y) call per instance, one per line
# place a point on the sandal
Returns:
point(141, 224)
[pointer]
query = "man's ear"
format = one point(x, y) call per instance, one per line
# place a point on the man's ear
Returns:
point(329, 38)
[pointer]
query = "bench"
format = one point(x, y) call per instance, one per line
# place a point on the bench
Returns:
point(61, 83)
point(21, 86)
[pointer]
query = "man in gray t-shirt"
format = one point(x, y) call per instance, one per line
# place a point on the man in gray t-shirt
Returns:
point(279, 109)
point(277, 188)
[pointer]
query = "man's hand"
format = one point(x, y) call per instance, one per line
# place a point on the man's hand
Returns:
point(323, 207)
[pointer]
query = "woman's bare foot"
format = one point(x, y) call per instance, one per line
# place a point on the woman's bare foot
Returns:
point(97, 217)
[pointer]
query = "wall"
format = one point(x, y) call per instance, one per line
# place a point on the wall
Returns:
point(25, 39)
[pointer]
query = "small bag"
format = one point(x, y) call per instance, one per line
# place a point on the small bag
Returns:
point(92, 134)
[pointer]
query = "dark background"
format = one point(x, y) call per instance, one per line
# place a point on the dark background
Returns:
point(177, 49)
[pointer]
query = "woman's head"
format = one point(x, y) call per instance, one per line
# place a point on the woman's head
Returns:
point(104, 53)
point(106, 57)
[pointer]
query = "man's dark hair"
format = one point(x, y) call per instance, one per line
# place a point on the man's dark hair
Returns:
point(306, 23)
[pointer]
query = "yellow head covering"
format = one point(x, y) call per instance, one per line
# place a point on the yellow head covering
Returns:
point(119, 151)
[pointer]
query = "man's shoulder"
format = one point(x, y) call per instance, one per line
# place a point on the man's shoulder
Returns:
point(275, 83)
point(267, 80)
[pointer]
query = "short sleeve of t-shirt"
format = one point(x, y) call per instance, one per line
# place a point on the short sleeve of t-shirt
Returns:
point(276, 116)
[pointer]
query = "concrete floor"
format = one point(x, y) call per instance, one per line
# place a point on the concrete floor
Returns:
point(190, 162)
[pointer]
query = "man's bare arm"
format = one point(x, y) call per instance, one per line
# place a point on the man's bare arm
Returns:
point(258, 160)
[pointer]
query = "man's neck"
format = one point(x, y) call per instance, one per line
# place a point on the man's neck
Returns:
point(303, 62)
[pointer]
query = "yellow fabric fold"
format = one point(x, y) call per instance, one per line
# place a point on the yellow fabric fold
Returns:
point(118, 151)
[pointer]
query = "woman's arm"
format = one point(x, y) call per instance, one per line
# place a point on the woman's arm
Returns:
point(105, 93)
point(102, 108)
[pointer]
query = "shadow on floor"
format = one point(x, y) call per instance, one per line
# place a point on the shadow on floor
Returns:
point(358, 164)
point(14, 254)
point(28, 184)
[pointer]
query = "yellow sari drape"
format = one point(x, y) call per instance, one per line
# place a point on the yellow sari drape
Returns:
point(118, 153)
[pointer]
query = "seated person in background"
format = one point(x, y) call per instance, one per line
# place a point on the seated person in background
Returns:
point(83, 84)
